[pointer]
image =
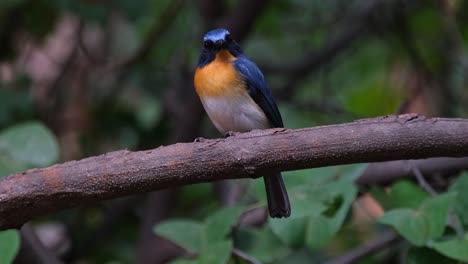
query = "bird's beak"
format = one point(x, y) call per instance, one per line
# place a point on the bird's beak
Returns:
point(220, 44)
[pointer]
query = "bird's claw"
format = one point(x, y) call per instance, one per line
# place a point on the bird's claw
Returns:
point(230, 134)
point(199, 139)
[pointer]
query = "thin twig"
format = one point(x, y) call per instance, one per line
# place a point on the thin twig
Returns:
point(453, 220)
point(84, 49)
point(384, 241)
point(241, 254)
point(421, 181)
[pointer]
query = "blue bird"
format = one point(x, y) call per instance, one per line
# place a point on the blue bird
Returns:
point(236, 97)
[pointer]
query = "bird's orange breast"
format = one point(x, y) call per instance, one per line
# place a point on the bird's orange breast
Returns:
point(218, 78)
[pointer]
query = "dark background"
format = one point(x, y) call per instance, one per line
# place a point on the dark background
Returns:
point(110, 75)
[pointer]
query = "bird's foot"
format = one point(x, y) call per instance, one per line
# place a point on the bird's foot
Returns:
point(230, 134)
point(200, 139)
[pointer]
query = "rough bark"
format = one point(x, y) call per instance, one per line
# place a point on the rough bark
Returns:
point(39, 191)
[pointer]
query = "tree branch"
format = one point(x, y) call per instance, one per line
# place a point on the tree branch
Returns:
point(381, 243)
point(36, 192)
point(383, 173)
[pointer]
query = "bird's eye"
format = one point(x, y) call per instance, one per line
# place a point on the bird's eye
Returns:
point(208, 44)
point(228, 38)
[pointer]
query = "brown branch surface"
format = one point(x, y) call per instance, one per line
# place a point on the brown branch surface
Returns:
point(36, 192)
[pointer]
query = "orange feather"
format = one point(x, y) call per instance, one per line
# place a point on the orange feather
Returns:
point(218, 78)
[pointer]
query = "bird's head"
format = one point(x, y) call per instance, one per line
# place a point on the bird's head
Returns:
point(215, 41)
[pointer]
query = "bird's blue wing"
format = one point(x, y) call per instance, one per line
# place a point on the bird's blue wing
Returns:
point(258, 89)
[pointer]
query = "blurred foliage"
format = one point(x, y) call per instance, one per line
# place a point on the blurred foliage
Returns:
point(428, 224)
point(68, 63)
point(404, 194)
point(9, 245)
point(424, 224)
point(418, 255)
point(23, 146)
point(207, 239)
point(27, 145)
point(461, 205)
point(321, 200)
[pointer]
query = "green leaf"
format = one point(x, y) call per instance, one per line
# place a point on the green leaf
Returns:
point(290, 231)
point(303, 203)
point(297, 179)
point(9, 245)
point(409, 224)
point(218, 225)
point(418, 255)
point(403, 194)
point(318, 213)
point(187, 234)
point(455, 248)
point(263, 244)
point(407, 194)
point(321, 227)
point(197, 237)
point(461, 203)
point(313, 177)
point(30, 143)
point(424, 224)
point(9, 165)
point(218, 253)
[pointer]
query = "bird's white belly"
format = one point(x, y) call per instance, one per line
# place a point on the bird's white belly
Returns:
point(237, 113)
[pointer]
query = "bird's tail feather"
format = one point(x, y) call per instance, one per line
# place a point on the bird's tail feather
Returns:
point(277, 197)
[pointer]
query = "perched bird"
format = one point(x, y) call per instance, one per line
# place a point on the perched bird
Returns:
point(235, 95)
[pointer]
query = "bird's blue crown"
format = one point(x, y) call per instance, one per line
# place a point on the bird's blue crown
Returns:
point(214, 41)
point(216, 34)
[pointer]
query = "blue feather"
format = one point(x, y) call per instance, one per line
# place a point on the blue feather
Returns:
point(216, 35)
point(258, 89)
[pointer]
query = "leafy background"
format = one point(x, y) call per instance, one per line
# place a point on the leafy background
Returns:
point(80, 78)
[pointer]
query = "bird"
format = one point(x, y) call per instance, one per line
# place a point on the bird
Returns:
point(235, 95)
